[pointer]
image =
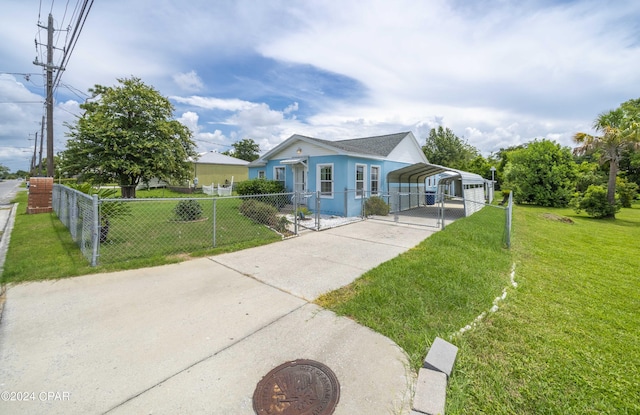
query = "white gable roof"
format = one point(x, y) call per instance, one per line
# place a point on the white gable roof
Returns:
point(214, 157)
point(401, 147)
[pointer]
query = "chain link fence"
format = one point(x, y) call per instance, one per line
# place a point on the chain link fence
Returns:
point(439, 210)
point(79, 213)
point(115, 230)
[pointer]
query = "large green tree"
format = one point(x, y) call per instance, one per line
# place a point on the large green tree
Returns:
point(542, 173)
point(619, 131)
point(444, 148)
point(4, 171)
point(127, 134)
point(245, 149)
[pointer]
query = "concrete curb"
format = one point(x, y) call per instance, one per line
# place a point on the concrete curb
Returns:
point(431, 388)
point(5, 237)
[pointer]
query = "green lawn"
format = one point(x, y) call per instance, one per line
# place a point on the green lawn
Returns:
point(433, 289)
point(41, 246)
point(566, 341)
point(152, 229)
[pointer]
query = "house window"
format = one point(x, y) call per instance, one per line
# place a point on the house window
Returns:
point(375, 180)
point(325, 176)
point(278, 174)
point(360, 188)
point(261, 174)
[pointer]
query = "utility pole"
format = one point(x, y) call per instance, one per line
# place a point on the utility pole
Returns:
point(40, 157)
point(49, 67)
point(41, 137)
point(49, 97)
point(32, 170)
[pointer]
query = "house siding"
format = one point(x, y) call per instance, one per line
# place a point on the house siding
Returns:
point(344, 202)
point(208, 174)
point(344, 156)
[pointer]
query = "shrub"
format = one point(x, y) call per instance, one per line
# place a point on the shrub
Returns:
point(188, 210)
point(541, 173)
point(282, 224)
point(627, 191)
point(594, 202)
point(260, 212)
point(259, 187)
point(304, 211)
point(263, 187)
point(376, 206)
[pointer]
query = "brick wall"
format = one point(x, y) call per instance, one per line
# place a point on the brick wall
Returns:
point(40, 189)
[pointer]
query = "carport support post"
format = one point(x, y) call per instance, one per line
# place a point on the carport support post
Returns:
point(214, 222)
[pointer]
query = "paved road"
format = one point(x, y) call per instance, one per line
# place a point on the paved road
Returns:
point(196, 337)
point(8, 190)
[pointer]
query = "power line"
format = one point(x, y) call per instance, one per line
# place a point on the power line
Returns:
point(82, 18)
point(80, 94)
point(49, 67)
point(21, 102)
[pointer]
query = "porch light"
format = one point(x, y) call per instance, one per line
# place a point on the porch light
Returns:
point(299, 151)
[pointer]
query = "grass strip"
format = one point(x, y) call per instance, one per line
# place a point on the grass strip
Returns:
point(433, 289)
point(567, 340)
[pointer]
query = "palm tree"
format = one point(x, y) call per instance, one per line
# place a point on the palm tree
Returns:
point(620, 129)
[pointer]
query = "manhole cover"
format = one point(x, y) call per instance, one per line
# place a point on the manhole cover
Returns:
point(300, 387)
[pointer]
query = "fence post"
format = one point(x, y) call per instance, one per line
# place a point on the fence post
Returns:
point(297, 196)
point(95, 237)
point(509, 219)
point(441, 212)
point(317, 210)
point(346, 202)
point(214, 222)
point(396, 214)
point(72, 209)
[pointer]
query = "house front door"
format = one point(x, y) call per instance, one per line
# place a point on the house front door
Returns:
point(300, 178)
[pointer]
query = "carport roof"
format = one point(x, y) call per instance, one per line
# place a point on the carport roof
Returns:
point(418, 172)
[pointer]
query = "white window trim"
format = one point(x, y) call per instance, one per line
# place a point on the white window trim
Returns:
point(319, 179)
point(284, 174)
point(364, 180)
point(262, 174)
point(371, 175)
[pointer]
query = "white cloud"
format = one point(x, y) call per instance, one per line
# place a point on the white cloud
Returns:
point(211, 103)
point(189, 81)
point(523, 65)
point(497, 72)
point(258, 115)
point(291, 108)
point(190, 120)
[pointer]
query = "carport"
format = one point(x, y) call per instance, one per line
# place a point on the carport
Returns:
point(407, 190)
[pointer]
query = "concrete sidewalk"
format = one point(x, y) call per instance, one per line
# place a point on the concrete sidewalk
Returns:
point(198, 336)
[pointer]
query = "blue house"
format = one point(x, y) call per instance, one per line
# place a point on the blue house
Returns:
point(341, 173)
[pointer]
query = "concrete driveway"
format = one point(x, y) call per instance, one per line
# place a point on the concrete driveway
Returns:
point(196, 337)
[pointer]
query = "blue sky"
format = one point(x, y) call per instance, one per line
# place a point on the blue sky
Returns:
point(497, 72)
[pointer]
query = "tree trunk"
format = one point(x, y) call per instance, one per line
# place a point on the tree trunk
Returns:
point(611, 186)
point(128, 192)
